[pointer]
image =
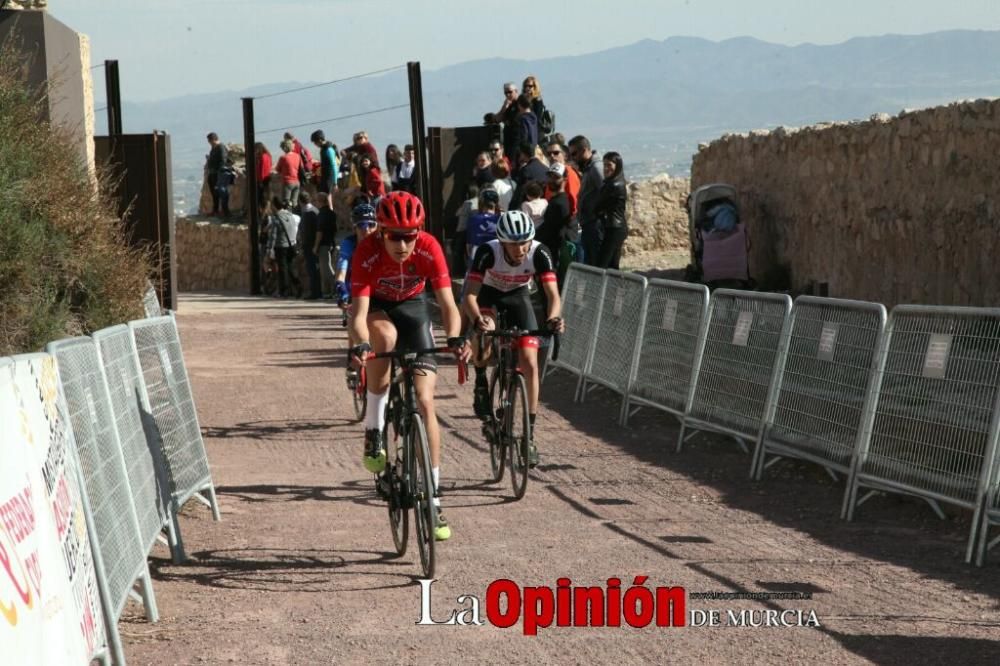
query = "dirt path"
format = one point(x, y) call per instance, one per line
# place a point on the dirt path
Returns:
point(301, 569)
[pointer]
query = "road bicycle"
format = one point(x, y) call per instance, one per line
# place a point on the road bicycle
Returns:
point(508, 426)
point(406, 483)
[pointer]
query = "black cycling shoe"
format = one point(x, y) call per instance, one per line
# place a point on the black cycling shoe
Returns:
point(481, 401)
point(374, 458)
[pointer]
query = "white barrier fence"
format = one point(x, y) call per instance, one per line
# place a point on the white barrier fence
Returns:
point(101, 448)
point(911, 406)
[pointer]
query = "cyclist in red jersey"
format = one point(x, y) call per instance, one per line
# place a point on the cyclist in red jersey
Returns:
point(391, 311)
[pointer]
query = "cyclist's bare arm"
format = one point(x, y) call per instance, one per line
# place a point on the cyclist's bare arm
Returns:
point(449, 312)
point(551, 290)
point(471, 304)
point(359, 323)
point(451, 319)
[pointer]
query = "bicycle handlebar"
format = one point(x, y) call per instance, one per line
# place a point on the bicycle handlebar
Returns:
point(517, 333)
point(463, 370)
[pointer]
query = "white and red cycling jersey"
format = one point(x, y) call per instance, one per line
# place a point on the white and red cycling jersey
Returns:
point(491, 267)
point(376, 274)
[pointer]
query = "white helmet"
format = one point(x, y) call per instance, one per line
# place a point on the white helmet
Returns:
point(515, 226)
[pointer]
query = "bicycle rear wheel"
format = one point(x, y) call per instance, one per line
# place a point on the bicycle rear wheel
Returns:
point(518, 432)
point(494, 426)
point(399, 499)
point(422, 493)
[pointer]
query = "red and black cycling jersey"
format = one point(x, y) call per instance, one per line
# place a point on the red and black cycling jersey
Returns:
point(490, 266)
point(375, 274)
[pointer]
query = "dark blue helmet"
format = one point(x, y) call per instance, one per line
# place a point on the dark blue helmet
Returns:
point(364, 212)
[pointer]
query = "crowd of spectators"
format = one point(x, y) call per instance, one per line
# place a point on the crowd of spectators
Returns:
point(576, 197)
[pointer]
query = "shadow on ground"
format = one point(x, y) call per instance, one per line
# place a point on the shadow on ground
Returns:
point(794, 494)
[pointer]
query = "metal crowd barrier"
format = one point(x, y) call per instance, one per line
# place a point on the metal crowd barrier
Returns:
point(735, 370)
point(168, 393)
point(141, 442)
point(102, 462)
point(933, 428)
point(991, 516)
point(151, 302)
point(824, 384)
point(617, 334)
point(673, 317)
point(582, 297)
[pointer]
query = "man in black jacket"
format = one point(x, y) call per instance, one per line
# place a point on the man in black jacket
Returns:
point(557, 217)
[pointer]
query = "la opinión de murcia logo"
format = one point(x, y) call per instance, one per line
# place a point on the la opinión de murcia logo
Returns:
point(568, 605)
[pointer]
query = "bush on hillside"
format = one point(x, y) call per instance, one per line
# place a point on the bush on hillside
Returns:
point(66, 267)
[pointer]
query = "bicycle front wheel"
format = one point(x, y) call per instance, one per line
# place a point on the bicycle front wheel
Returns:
point(360, 396)
point(493, 427)
point(417, 452)
point(518, 431)
point(399, 497)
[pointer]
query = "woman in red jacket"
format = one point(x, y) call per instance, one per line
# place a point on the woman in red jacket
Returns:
point(263, 170)
point(371, 179)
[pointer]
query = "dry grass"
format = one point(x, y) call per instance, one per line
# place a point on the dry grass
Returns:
point(66, 267)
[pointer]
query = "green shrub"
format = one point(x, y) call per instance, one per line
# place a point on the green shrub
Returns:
point(66, 267)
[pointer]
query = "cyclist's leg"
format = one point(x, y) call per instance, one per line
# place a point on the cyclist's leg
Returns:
point(520, 313)
point(383, 338)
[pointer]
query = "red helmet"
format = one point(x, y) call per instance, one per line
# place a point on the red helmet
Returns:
point(401, 210)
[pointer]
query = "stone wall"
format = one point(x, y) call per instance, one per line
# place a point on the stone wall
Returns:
point(894, 209)
point(212, 256)
point(657, 220)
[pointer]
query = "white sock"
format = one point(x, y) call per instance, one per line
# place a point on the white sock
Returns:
point(375, 416)
point(436, 475)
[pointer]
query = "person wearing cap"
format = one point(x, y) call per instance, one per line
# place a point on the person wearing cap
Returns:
point(328, 168)
point(556, 219)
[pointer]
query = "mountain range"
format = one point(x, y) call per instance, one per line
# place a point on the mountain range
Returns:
point(653, 101)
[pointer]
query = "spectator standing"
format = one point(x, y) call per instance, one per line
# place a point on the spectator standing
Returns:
point(305, 166)
point(496, 153)
point(392, 160)
point(215, 162)
point(262, 169)
point(546, 122)
point(502, 183)
point(531, 168)
point(482, 174)
point(288, 171)
point(527, 123)
point(610, 211)
point(225, 180)
point(326, 246)
point(534, 204)
point(403, 178)
point(468, 208)
point(362, 146)
point(371, 178)
point(283, 227)
point(328, 168)
point(556, 152)
point(482, 226)
point(507, 117)
point(556, 221)
point(591, 180)
point(308, 233)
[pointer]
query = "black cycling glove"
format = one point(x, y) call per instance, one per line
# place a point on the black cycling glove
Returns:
point(359, 351)
point(456, 342)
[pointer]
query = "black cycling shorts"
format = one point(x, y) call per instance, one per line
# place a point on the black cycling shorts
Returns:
point(412, 319)
point(515, 306)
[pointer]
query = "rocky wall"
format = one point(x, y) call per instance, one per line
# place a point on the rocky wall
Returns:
point(212, 256)
point(893, 209)
point(657, 220)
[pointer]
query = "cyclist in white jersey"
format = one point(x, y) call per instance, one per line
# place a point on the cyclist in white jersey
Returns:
point(498, 281)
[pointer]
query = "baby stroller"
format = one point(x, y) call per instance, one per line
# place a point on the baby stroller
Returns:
point(719, 240)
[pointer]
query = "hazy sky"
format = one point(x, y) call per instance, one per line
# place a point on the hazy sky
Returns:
point(167, 48)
